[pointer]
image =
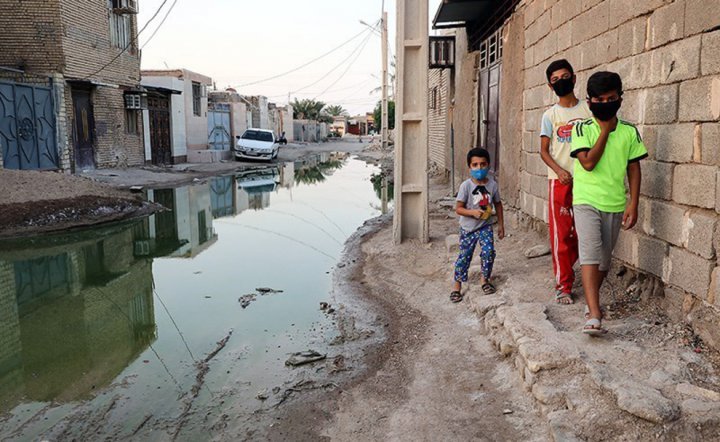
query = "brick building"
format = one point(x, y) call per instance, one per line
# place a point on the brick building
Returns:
point(78, 63)
point(668, 55)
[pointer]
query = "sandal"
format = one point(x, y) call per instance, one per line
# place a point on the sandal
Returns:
point(456, 296)
point(593, 327)
point(587, 313)
point(488, 288)
point(560, 296)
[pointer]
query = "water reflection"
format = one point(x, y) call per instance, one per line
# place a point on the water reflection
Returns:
point(316, 168)
point(73, 315)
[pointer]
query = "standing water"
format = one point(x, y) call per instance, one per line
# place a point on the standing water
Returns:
point(177, 324)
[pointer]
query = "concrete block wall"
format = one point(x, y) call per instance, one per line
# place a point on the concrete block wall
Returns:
point(668, 55)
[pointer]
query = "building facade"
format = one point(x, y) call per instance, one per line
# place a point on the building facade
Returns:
point(668, 55)
point(70, 85)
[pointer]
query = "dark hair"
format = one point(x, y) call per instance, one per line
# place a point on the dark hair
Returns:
point(556, 66)
point(603, 82)
point(477, 152)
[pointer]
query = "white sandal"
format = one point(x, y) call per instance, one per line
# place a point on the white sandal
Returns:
point(593, 327)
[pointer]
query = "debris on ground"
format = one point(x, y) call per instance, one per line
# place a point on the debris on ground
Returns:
point(267, 291)
point(263, 395)
point(245, 300)
point(304, 357)
point(324, 306)
point(537, 251)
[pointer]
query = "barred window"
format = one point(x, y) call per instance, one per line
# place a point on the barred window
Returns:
point(131, 122)
point(196, 94)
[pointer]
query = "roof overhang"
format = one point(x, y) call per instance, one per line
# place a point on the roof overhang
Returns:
point(458, 13)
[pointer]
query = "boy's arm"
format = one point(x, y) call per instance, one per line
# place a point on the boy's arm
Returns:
point(589, 158)
point(461, 210)
point(500, 219)
point(634, 174)
point(562, 174)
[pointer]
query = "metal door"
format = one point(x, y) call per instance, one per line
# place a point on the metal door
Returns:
point(27, 127)
point(159, 114)
point(219, 130)
point(489, 115)
point(84, 129)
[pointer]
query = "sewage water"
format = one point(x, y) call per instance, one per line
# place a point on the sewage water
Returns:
point(113, 332)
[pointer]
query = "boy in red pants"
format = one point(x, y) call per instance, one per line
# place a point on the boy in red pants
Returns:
point(555, 147)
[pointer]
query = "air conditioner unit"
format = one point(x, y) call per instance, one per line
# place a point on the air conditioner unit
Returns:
point(135, 102)
point(125, 6)
point(204, 91)
point(442, 52)
point(142, 248)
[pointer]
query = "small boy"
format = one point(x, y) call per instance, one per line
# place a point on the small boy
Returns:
point(606, 150)
point(555, 147)
point(474, 204)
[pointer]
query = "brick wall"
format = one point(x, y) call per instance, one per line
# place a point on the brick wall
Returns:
point(32, 35)
point(438, 124)
point(669, 60)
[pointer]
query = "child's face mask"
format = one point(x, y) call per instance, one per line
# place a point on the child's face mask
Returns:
point(479, 174)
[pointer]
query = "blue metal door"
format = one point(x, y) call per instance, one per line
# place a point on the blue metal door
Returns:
point(219, 137)
point(27, 127)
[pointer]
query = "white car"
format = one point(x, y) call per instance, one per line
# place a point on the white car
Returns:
point(257, 144)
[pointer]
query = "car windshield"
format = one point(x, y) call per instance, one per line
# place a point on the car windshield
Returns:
point(257, 135)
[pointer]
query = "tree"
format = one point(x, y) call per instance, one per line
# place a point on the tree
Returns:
point(335, 110)
point(377, 115)
point(307, 109)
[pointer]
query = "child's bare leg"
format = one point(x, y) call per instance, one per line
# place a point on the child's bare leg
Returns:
point(457, 286)
point(592, 279)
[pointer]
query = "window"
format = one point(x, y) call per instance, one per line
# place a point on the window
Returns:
point(434, 98)
point(131, 122)
point(491, 50)
point(258, 135)
point(196, 94)
point(121, 30)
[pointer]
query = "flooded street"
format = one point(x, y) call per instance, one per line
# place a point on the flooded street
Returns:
point(179, 325)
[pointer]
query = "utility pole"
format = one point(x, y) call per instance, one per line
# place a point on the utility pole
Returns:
point(384, 106)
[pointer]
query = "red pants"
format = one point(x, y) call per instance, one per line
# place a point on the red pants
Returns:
point(563, 239)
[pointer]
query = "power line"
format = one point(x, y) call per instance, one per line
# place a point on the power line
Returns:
point(333, 69)
point(160, 25)
point(132, 41)
point(306, 64)
point(348, 68)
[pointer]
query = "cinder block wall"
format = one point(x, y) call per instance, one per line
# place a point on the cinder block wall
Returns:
point(668, 55)
point(438, 123)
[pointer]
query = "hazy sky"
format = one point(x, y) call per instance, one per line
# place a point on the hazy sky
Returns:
point(240, 41)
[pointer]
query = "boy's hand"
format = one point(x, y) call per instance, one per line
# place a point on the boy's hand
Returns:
point(565, 177)
point(630, 217)
point(501, 231)
point(478, 214)
point(608, 126)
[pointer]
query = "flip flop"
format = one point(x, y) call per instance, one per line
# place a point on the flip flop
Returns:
point(559, 295)
point(456, 296)
point(488, 288)
point(593, 327)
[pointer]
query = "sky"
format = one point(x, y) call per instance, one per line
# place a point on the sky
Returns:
point(237, 42)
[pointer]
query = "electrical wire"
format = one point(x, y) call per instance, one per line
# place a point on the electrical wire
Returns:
point(305, 64)
point(160, 25)
point(348, 68)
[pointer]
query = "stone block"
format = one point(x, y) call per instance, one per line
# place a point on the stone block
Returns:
point(531, 141)
point(676, 62)
point(701, 15)
point(714, 288)
point(704, 320)
point(651, 255)
point(539, 29)
point(588, 55)
point(535, 98)
point(709, 59)
point(688, 271)
point(534, 10)
point(657, 179)
point(533, 120)
point(698, 231)
point(700, 99)
point(626, 248)
point(694, 185)
point(633, 105)
point(697, 392)
point(664, 220)
point(534, 185)
point(638, 71)
point(667, 23)
point(673, 300)
point(590, 24)
point(631, 37)
point(564, 36)
point(623, 10)
point(661, 105)
point(710, 144)
point(607, 46)
point(545, 48)
point(535, 165)
point(564, 11)
point(529, 60)
point(672, 142)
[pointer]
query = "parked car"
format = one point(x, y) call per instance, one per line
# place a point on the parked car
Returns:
point(257, 144)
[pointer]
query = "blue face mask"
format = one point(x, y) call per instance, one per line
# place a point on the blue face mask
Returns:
point(479, 174)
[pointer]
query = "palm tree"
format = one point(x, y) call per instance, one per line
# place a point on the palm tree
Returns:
point(391, 83)
point(336, 110)
point(307, 109)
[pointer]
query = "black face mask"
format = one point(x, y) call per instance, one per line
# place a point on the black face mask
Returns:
point(605, 111)
point(563, 86)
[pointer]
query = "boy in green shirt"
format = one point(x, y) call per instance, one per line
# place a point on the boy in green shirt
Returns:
point(606, 149)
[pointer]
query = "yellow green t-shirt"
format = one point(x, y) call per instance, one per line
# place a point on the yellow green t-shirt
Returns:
point(604, 186)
